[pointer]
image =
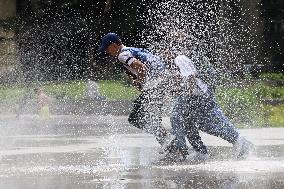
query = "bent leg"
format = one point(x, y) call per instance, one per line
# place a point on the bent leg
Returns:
point(178, 119)
point(137, 113)
point(194, 138)
point(214, 122)
point(151, 112)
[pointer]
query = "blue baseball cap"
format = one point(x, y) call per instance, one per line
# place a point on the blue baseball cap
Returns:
point(107, 40)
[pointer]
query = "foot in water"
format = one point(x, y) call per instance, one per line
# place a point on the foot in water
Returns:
point(178, 155)
point(197, 157)
point(243, 148)
point(174, 153)
point(168, 141)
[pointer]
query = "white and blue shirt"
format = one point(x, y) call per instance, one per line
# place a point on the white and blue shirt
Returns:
point(155, 66)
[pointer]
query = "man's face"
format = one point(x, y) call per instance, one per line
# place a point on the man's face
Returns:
point(112, 49)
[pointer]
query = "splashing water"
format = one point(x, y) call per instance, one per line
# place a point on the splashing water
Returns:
point(216, 33)
point(213, 29)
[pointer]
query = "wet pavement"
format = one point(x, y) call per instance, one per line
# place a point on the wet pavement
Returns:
point(106, 152)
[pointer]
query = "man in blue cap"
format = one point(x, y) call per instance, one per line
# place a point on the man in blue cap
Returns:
point(147, 72)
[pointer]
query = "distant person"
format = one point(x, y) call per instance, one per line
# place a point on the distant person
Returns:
point(92, 91)
point(42, 102)
point(147, 72)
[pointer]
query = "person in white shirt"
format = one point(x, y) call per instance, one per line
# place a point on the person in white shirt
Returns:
point(195, 109)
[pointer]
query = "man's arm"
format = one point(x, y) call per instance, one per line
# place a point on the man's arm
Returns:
point(135, 66)
point(182, 84)
point(140, 68)
point(133, 78)
point(191, 83)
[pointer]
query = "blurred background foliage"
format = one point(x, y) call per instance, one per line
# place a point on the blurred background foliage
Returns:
point(55, 43)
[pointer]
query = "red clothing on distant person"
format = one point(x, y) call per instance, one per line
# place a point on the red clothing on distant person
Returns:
point(42, 99)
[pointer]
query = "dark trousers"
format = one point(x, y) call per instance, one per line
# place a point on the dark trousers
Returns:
point(146, 114)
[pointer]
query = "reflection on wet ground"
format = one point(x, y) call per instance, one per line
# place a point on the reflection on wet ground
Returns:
point(106, 152)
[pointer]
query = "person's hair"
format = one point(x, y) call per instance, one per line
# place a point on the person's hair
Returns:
point(36, 90)
point(119, 42)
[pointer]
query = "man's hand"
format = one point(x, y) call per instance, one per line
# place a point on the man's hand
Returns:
point(108, 5)
point(137, 85)
point(140, 68)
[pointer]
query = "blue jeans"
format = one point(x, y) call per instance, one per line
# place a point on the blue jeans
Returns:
point(191, 111)
point(183, 125)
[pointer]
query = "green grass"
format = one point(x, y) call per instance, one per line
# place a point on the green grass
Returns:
point(117, 90)
point(264, 91)
point(11, 93)
point(264, 116)
point(272, 76)
point(239, 104)
point(249, 94)
point(113, 90)
point(242, 105)
point(275, 115)
point(74, 89)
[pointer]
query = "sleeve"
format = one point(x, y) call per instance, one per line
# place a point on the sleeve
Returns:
point(185, 66)
point(126, 57)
